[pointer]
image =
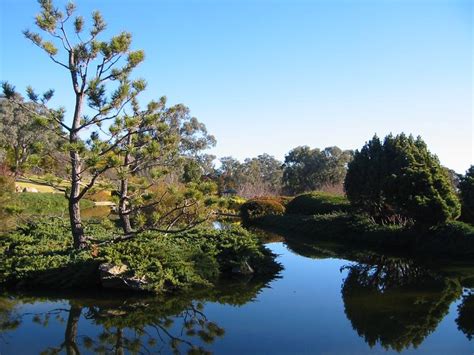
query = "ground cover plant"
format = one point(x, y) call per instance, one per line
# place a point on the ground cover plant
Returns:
point(41, 255)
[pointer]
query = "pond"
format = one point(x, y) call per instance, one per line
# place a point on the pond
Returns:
point(324, 301)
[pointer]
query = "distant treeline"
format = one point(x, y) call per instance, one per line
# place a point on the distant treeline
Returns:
point(304, 169)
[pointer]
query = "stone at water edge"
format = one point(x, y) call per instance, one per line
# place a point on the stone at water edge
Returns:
point(120, 277)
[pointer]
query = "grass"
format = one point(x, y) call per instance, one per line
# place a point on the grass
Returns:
point(40, 187)
point(43, 204)
point(38, 183)
point(23, 207)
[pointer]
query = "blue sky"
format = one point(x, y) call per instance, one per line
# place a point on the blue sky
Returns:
point(269, 75)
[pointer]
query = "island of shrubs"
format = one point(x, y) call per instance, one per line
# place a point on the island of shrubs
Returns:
point(398, 198)
point(41, 255)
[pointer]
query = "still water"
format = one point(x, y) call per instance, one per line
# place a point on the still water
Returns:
point(323, 302)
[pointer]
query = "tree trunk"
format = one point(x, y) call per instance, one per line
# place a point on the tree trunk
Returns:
point(123, 209)
point(71, 330)
point(16, 168)
point(77, 229)
point(119, 344)
point(79, 239)
point(124, 203)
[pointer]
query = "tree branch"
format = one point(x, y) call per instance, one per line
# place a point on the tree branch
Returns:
point(91, 183)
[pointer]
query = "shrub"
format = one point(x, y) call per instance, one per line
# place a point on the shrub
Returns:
point(232, 203)
point(7, 189)
point(254, 209)
point(99, 196)
point(177, 205)
point(466, 189)
point(401, 178)
point(317, 203)
point(41, 255)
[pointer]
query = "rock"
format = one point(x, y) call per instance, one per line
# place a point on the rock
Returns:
point(112, 270)
point(30, 189)
point(243, 269)
point(119, 277)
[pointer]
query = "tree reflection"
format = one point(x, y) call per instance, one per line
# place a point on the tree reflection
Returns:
point(114, 324)
point(465, 319)
point(9, 318)
point(394, 302)
point(175, 323)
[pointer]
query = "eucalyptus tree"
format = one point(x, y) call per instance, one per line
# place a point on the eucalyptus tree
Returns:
point(254, 177)
point(22, 137)
point(99, 73)
point(307, 169)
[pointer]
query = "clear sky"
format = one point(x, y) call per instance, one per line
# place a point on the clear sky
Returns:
point(269, 75)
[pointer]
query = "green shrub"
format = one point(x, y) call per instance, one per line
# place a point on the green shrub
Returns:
point(452, 239)
point(284, 200)
point(41, 255)
point(99, 196)
point(230, 204)
point(454, 229)
point(254, 209)
point(466, 189)
point(7, 189)
point(317, 203)
point(400, 179)
point(167, 263)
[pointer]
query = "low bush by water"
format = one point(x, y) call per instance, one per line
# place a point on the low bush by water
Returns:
point(317, 203)
point(257, 208)
point(454, 239)
point(41, 255)
point(322, 217)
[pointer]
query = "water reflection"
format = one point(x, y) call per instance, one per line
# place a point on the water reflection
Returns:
point(386, 302)
point(133, 327)
point(396, 303)
point(465, 319)
point(121, 324)
point(9, 319)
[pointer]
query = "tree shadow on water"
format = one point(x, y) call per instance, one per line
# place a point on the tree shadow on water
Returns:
point(395, 302)
point(119, 323)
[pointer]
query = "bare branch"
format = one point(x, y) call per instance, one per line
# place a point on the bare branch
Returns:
point(65, 35)
point(58, 62)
